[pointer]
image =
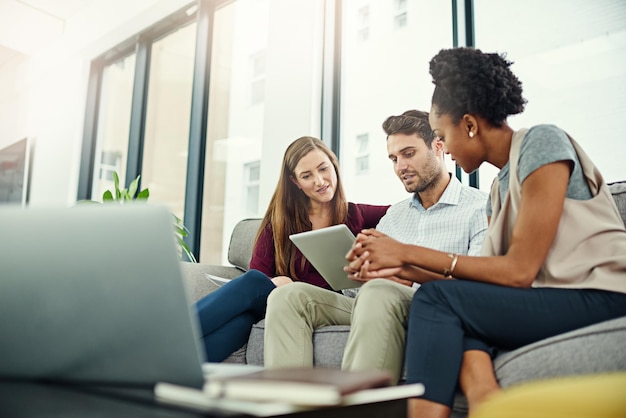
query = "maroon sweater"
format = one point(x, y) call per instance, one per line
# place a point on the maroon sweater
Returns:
point(360, 217)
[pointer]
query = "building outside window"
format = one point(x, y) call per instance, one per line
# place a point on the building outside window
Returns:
point(363, 29)
point(382, 77)
point(399, 14)
point(252, 186)
point(572, 66)
point(257, 87)
point(363, 154)
point(110, 161)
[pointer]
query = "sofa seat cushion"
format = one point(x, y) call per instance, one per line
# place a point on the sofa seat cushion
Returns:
point(239, 356)
point(594, 349)
point(328, 345)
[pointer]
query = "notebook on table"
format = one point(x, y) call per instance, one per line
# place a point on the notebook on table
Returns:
point(94, 294)
point(301, 386)
point(271, 392)
point(326, 250)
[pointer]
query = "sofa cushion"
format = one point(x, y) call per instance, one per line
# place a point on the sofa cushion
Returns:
point(618, 190)
point(597, 348)
point(328, 345)
point(239, 356)
point(242, 242)
point(194, 275)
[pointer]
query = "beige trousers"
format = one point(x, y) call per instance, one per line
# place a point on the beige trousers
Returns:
point(377, 317)
point(378, 330)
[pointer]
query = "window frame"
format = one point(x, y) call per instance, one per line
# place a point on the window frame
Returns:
point(203, 12)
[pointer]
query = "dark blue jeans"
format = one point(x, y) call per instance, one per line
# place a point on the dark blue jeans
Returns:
point(227, 314)
point(448, 317)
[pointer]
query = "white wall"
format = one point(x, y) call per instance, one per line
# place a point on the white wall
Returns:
point(43, 95)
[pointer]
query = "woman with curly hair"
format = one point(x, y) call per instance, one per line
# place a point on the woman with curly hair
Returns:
point(309, 195)
point(555, 254)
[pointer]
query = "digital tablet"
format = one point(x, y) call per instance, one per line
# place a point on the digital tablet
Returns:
point(326, 250)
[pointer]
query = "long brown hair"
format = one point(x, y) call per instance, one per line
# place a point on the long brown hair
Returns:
point(288, 210)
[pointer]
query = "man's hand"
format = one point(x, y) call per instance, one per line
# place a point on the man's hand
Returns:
point(382, 251)
point(358, 257)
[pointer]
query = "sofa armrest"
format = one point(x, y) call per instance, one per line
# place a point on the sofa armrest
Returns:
point(242, 242)
point(197, 283)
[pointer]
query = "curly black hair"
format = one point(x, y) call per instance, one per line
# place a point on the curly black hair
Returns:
point(409, 123)
point(469, 81)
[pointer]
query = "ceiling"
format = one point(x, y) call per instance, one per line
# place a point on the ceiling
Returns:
point(61, 9)
point(27, 26)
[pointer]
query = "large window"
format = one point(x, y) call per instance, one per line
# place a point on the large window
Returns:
point(206, 125)
point(384, 76)
point(572, 63)
point(264, 93)
point(164, 167)
point(137, 112)
point(114, 122)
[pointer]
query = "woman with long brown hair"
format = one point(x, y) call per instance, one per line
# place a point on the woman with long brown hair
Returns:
point(309, 195)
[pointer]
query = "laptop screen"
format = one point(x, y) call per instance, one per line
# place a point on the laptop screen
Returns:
point(94, 293)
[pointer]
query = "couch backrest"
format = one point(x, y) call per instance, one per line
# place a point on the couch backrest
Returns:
point(244, 233)
point(618, 190)
point(242, 242)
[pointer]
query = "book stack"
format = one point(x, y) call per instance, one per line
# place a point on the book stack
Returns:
point(301, 386)
point(269, 392)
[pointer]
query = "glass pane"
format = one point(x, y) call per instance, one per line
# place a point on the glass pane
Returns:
point(572, 64)
point(382, 75)
point(164, 168)
point(113, 125)
point(264, 93)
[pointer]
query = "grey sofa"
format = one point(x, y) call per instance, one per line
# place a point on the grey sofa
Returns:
point(594, 349)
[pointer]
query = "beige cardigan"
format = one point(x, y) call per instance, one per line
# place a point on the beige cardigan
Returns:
point(589, 250)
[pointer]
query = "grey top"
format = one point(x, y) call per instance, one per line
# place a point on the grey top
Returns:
point(545, 144)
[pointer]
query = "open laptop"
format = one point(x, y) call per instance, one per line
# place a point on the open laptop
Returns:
point(326, 250)
point(94, 294)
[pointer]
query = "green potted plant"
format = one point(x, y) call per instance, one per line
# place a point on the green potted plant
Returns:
point(133, 194)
